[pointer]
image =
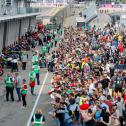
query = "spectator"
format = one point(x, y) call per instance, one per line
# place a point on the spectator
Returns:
point(18, 82)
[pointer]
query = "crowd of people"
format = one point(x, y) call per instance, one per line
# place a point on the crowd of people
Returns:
point(43, 37)
point(89, 75)
point(15, 56)
point(88, 87)
point(46, 39)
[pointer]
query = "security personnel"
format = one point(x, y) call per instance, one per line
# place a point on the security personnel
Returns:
point(44, 49)
point(32, 76)
point(36, 68)
point(38, 118)
point(42, 61)
point(9, 87)
point(35, 58)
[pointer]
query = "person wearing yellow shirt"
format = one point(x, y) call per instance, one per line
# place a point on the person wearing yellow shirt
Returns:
point(73, 65)
point(83, 63)
point(119, 38)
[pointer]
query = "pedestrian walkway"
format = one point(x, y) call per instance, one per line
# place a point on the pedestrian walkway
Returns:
point(14, 109)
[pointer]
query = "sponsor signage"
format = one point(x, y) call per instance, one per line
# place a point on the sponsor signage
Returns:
point(114, 5)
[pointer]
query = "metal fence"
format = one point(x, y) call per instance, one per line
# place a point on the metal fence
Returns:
point(10, 10)
point(120, 66)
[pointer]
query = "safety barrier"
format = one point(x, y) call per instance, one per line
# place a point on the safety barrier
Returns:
point(120, 66)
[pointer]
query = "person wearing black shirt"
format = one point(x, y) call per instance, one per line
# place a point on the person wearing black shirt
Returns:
point(105, 117)
point(96, 70)
point(101, 70)
point(119, 82)
point(124, 41)
point(90, 122)
point(60, 115)
point(112, 71)
point(107, 56)
point(105, 82)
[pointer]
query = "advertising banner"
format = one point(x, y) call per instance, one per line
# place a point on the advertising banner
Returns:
point(114, 5)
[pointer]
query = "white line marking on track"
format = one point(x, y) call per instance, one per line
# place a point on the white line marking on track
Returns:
point(36, 102)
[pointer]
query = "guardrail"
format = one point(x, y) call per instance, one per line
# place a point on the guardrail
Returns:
point(120, 66)
point(14, 10)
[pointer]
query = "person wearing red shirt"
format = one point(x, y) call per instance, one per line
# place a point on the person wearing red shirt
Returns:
point(104, 38)
point(124, 95)
point(120, 47)
point(109, 103)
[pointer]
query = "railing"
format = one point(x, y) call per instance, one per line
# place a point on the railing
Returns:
point(120, 66)
point(14, 10)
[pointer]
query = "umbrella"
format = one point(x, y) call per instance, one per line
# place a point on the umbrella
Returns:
point(84, 106)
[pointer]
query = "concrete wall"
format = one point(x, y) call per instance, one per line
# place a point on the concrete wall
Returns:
point(1, 35)
point(12, 31)
point(24, 25)
point(61, 15)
